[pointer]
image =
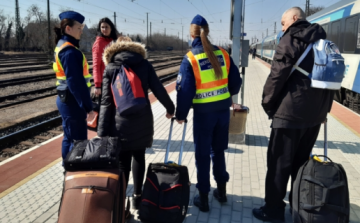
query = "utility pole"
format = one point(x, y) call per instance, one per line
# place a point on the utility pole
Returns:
point(150, 30)
point(267, 33)
point(147, 28)
point(49, 31)
point(236, 36)
point(178, 35)
point(17, 20)
point(165, 31)
point(182, 41)
point(115, 19)
point(275, 28)
point(307, 8)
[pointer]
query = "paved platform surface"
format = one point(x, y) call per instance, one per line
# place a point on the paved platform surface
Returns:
point(36, 198)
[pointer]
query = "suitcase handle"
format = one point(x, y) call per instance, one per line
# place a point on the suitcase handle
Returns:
point(169, 140)
point(325, 140)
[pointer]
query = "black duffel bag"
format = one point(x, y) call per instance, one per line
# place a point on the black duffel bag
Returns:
point(97, 153)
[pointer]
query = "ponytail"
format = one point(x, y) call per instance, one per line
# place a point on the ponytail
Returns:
point(203, 32)
point(59, 31)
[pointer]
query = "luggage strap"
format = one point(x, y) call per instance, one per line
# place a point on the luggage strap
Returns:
point(325, 196)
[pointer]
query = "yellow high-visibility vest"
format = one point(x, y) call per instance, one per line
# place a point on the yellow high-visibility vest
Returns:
point(208, 88)
point(59, 70)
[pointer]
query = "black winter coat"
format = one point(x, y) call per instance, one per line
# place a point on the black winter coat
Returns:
point(291, 97)
point(134, 131)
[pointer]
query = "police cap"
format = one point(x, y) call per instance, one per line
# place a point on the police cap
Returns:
point(199, 20)
point(72, 15)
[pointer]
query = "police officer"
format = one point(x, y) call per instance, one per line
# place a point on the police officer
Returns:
point(207, 79)
point(73, 80)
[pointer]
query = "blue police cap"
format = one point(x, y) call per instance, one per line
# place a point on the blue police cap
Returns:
point(72, 15)
point(199, 20)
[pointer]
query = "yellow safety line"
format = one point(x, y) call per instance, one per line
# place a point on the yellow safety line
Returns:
point(344, 124)
point(27, 179)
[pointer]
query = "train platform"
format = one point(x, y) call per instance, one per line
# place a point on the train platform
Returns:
point(31, 182)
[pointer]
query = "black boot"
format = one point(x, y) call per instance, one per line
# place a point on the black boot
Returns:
point(135, 203)
point(202, 202)
point(220, 193)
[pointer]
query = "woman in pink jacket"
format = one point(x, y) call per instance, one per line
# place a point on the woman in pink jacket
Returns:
point(106, 33)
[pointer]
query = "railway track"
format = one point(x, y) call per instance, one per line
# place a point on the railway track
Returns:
point(28, 96)
point(16, 142)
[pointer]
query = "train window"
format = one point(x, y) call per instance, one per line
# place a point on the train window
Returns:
point(350, 34)
point(326, 28)
point(335, 31)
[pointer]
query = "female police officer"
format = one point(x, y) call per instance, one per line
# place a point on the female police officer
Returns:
point(207, 79)
point(73, 80)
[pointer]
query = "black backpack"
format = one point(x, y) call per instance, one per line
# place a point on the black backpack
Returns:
point(321, 194)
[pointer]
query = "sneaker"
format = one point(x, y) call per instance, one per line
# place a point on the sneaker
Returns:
point(136, 200)
point(260, 214)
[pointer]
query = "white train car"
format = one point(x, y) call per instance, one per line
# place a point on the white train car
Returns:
point(341, 23)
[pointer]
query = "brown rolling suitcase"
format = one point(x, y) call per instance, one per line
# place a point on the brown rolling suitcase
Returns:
point(93, 197)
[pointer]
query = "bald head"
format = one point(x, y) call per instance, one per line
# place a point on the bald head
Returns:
point(290, 16)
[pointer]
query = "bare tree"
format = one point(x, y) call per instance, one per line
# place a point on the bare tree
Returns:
point(315, 9)
point(2, 27)
point(34, 10)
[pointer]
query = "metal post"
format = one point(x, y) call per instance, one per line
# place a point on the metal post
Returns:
point(49, 31)
point(182, 41)
point(147, 28)
point(115, 20)
point(275, 28)
point(150, 30)
point(236, 37)
point(243, 68)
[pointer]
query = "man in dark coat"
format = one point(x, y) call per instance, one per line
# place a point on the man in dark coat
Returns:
point(253, 53)
point(296, 110)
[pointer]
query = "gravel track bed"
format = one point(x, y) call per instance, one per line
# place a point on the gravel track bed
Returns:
point(25, 74)
point(20, 148)
point(26, 97)
point(27, 87)
point(8, 115)
point(29, 123)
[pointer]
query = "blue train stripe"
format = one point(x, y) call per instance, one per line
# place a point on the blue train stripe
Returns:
point(338, 14)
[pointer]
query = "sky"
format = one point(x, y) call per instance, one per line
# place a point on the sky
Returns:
point(173, 15)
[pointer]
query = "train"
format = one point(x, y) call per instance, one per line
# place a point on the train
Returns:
point(341, 22)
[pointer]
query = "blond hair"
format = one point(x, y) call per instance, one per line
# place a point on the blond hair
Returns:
point(203, 32)
point(124, 39)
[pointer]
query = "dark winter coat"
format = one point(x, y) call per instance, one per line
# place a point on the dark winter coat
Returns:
point(134, 131)
point(290, 97)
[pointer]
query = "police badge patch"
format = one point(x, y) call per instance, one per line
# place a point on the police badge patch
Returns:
point(179, 77)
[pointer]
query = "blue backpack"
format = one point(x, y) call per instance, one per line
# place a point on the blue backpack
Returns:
point(329, 67)
point(127, 91)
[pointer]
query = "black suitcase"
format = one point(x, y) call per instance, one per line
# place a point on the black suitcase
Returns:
point(94, 154)
point(166, 191)
point(320, 191)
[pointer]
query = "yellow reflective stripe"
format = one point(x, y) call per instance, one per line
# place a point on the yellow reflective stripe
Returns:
point(211, 99)
point(88, 84)
point(88, 76)
point(61, 78)
point(55, 68)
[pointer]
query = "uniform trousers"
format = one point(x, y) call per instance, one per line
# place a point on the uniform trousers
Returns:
point(288, 150)
point(211, 137)
point(74, 126)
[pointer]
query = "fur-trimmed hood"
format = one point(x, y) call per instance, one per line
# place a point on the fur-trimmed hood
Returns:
point(118, 47)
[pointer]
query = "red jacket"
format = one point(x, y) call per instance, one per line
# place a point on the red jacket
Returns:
point(98, 64)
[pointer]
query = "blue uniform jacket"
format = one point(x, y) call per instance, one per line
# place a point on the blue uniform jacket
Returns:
point(186, 86)
point(72, 62)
